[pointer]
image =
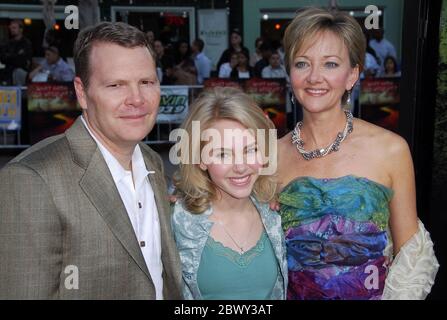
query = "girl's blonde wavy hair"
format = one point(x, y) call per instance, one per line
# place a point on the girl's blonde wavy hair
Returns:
point(193, 184)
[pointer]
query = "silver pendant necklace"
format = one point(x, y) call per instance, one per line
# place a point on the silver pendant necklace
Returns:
point(241, 247)
point(319, 153)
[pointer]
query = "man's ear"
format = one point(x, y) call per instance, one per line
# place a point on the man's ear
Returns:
point(81, 93)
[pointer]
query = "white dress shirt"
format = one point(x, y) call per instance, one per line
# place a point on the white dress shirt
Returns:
point(276, 73)
point(225, 70)
point(138, 197)
point(203, 66)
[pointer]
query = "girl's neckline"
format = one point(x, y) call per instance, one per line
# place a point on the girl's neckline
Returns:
point(245, 253)
point(348, 176)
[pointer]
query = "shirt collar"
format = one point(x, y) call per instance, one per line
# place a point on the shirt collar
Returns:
point(139, 170)
point(59, 62)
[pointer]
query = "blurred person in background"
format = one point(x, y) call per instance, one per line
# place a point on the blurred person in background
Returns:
point(256, 56)
point(185, 71)
point(16, 55)
point(227, 67)
point(275, 69)
point(235, 46)
point(52, 69)
point(243, 69)
point(201, 61)
point(390, 68)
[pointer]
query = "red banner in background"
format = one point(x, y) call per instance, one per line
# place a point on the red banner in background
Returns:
point(52, 109)
point(218, 82)
point(379, 102)
point(271, 97)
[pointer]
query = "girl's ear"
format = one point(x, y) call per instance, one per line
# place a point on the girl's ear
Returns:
point(202, 166)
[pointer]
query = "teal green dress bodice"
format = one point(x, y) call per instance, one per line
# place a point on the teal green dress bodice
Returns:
point(336, 234)
point(225, 274)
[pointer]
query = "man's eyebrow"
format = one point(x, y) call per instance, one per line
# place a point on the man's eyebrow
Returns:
point(111, 81)
point(119, 80)
point(149, 78)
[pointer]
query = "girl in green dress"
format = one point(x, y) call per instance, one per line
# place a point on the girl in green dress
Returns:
point(231, 244)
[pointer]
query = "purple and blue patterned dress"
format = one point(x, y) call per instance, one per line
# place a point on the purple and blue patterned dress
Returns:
point(336, 235)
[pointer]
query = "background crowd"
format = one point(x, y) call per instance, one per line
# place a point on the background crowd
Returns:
point(180, 62)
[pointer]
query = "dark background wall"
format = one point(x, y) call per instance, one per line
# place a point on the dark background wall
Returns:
point(423, 121)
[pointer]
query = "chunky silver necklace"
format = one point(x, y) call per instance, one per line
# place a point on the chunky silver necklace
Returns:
point(319, 153)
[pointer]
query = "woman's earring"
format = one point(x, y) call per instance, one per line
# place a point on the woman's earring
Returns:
point(348, 100)
point(293, 99)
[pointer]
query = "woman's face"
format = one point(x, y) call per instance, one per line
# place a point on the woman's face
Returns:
point(321, 72)
point(183, 48)
point(235, 39)
point(389, 66)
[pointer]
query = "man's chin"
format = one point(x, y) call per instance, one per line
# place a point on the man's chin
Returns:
point(134, 137)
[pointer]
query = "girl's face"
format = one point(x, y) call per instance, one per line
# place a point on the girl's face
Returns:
point(242, 59)
point(234, 60)
point(322, 72)
point(231, 159)
point(389, 66)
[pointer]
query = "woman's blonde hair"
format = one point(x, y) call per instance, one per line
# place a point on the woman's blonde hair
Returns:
point(309, 22)
point(193, 184)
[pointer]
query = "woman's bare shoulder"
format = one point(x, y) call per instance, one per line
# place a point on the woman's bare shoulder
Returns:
point(376, 134)
point(391, 145)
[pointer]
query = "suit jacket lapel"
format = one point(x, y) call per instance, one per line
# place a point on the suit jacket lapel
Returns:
point(99, 187)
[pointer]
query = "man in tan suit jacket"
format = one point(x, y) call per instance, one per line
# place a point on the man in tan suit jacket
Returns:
point(65, 228)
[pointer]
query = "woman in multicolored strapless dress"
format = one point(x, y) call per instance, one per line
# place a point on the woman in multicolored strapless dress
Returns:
point(348, 201)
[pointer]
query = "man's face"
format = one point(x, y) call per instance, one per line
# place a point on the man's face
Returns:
point(266, 54)
point(150, 35)
point(121, 102)
point(51, 57)
point(159, 49)
point(378, 34)
point(275, 60)
point(194, 48)
point(15, 29)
